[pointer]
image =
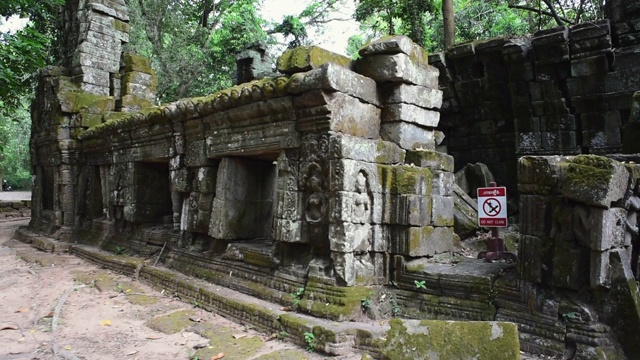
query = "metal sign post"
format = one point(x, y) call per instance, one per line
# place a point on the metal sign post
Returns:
point(492, 212)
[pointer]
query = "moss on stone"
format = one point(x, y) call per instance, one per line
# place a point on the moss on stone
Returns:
point(410, 180)
point(589, 171)
point(120, 25)
point(79, 101)
point(221, 339)
point(346, 304)
point(133, 62)
point(173, 322)
point(305, 58)
point(449, 340)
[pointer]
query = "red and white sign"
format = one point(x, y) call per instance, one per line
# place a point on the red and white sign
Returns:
point(492, 207)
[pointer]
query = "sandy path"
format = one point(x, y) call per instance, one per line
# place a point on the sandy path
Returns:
point(110, 317)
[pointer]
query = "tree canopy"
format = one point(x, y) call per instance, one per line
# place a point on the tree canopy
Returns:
point(22, 53)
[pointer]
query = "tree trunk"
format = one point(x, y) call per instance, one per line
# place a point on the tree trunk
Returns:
point(448, 24)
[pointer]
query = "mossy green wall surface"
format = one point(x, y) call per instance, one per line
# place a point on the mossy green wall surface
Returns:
point(451, 340)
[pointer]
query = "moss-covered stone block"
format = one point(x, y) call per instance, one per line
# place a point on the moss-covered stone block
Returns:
point(73, 100)
point(594, 180)
point(133, 62)
point(305, 58)
point(120, 25)
point(539, 174)
point(89, 120)
point(451, 340)
point(411, 180)
point(334, 302)
point(431, 159)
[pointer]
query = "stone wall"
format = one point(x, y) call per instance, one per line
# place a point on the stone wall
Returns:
point(13, 209)
point(322, 173)
point(580, 233)
point(562, 91)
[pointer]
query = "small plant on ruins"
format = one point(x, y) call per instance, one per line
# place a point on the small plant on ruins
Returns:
point(365, 304)
point(120, 250)
point(310, 339)
point(420, 284)
point(282, 335)
point(395, 308)
point(296, 297)
point(570, 315)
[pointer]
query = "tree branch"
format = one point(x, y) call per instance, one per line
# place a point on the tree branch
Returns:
point(554, 14)
point(528, 8)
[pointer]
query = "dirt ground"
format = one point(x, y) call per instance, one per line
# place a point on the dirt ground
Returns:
point(57, 306)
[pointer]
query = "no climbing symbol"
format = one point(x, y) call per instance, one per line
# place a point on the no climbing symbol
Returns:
point(492, 205)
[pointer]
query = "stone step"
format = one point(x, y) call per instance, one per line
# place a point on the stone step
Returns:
point(397, 339)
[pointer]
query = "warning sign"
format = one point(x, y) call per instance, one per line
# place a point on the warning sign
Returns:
point(492, 207)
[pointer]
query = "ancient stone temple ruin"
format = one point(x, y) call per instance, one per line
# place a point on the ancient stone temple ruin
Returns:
point(323, 183)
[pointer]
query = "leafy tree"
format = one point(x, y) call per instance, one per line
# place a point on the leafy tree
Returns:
point(192, 44)
point(14, 136)
point(560, 12)
point(24, 52)
point(397, 16)
point(473, 19)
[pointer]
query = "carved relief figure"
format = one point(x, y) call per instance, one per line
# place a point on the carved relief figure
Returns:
point(362, 203)
point(316, 204)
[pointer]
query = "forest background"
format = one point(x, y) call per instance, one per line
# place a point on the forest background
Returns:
point(192, 43)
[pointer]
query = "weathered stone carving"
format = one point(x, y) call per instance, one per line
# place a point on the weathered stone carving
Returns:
point(316, 201)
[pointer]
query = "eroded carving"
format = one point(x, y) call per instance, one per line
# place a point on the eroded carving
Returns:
point(316, 202)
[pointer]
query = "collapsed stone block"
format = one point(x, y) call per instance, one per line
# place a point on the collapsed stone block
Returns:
point(594, 180)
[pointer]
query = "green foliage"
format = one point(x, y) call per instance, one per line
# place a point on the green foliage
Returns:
point(296, 28)
point(420, 284)
point(296, 297)
point(24, 52)
point(422, 21)
point(406, 17)
point(192, 45)
point(14, 147)
point(365, 303)
point(310, 339)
